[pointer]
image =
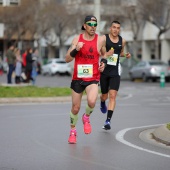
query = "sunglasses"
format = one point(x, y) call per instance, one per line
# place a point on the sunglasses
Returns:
point(91, 24)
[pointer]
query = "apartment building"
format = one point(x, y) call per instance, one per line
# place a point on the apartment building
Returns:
point(5, 3)
point(147, 36)
point(108, 10)
point(13, 29)
point(9, 2)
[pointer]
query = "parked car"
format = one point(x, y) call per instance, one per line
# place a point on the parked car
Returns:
point(56, 66)
point(150, 70)
point(5, 66)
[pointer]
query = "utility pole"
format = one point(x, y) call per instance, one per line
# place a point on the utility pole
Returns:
point(97, 13)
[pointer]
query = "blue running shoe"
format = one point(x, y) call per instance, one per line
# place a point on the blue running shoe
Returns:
point(103, 107)
point(107, 125)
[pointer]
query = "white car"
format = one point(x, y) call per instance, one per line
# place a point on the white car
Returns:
point(56, 66)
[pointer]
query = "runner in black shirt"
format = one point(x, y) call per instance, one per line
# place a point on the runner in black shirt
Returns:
point(110, 77)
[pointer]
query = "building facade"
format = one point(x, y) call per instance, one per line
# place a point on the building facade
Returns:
point(106, 11)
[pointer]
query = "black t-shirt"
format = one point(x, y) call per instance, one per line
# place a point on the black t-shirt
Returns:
point(113, 70)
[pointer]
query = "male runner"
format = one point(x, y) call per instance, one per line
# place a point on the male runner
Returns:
point(110, 77)
point(86, 50)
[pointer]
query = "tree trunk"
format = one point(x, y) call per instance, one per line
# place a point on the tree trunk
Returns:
point(158, 47)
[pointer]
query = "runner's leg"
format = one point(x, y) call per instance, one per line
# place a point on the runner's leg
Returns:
point(76, 102)
point(104, 85)
point(92, 93)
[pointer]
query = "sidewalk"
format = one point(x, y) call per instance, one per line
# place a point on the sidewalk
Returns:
point(162, 134)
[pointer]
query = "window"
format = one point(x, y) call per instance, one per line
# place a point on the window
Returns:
point(9, 2)
point(111, 2)
point(1, 2)
point(14, 2)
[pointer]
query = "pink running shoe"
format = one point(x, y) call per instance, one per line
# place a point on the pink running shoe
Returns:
point(86, 122)
point(72, 137)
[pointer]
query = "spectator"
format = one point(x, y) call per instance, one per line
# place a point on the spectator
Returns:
point(18, 67)
point(34, 65)
point(11, 63)
point(24, 60)
point(1, 67)
point(28, 68)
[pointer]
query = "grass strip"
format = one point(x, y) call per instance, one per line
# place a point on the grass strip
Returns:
point(33, 91)
point(168, 126)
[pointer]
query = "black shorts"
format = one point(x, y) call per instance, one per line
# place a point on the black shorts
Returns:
point(79, 86)
point(109, 83)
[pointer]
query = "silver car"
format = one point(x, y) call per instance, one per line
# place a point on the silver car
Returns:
point(150, 70)
point(56, 66)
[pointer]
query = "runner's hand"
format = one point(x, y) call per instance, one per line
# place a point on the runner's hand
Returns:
point(127, 55)
point(109, 53)
point(101, 67)
point(79, 45)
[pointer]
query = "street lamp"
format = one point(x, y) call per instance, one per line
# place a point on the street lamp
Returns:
point(97, 13)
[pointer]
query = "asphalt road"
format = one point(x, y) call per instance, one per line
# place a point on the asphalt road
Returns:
point(46, 81)
point(64, 81)
point(34, 136)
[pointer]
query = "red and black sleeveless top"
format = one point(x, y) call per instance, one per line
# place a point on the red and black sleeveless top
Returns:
point(86, 64)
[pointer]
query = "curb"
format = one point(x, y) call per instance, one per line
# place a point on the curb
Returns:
point(13, 100)
point(15, 85)
point(34, 100)
point(162, 134)
point(37, 99)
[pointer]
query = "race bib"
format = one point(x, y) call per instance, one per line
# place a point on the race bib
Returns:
point(112, 60)
point(85, 71)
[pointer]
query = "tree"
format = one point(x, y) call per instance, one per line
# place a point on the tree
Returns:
point(135, 22)
point(156, 12)
point(20, 20)
point(56, 24)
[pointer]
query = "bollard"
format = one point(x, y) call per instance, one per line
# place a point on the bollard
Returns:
point(162, 79)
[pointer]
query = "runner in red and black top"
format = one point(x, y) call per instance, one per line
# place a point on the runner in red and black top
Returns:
point(110, 77)
point(86, 66)
point(86, 50)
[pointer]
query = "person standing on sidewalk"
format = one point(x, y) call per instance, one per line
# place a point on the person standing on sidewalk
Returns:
point(24, 55)
point(11, 59)
point(86, 50)
point(34, 65)
point(28, 68)
point(110, 77)
point(18, 66)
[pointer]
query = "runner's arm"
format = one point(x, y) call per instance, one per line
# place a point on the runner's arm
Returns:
point(123, 54)
point(106, 54)
point(68, 57)
point(103, 61)
point(103, 51)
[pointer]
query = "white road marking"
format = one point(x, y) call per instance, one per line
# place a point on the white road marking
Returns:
point(120, 138)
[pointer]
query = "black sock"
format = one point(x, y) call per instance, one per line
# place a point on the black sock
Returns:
point(109, 114)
